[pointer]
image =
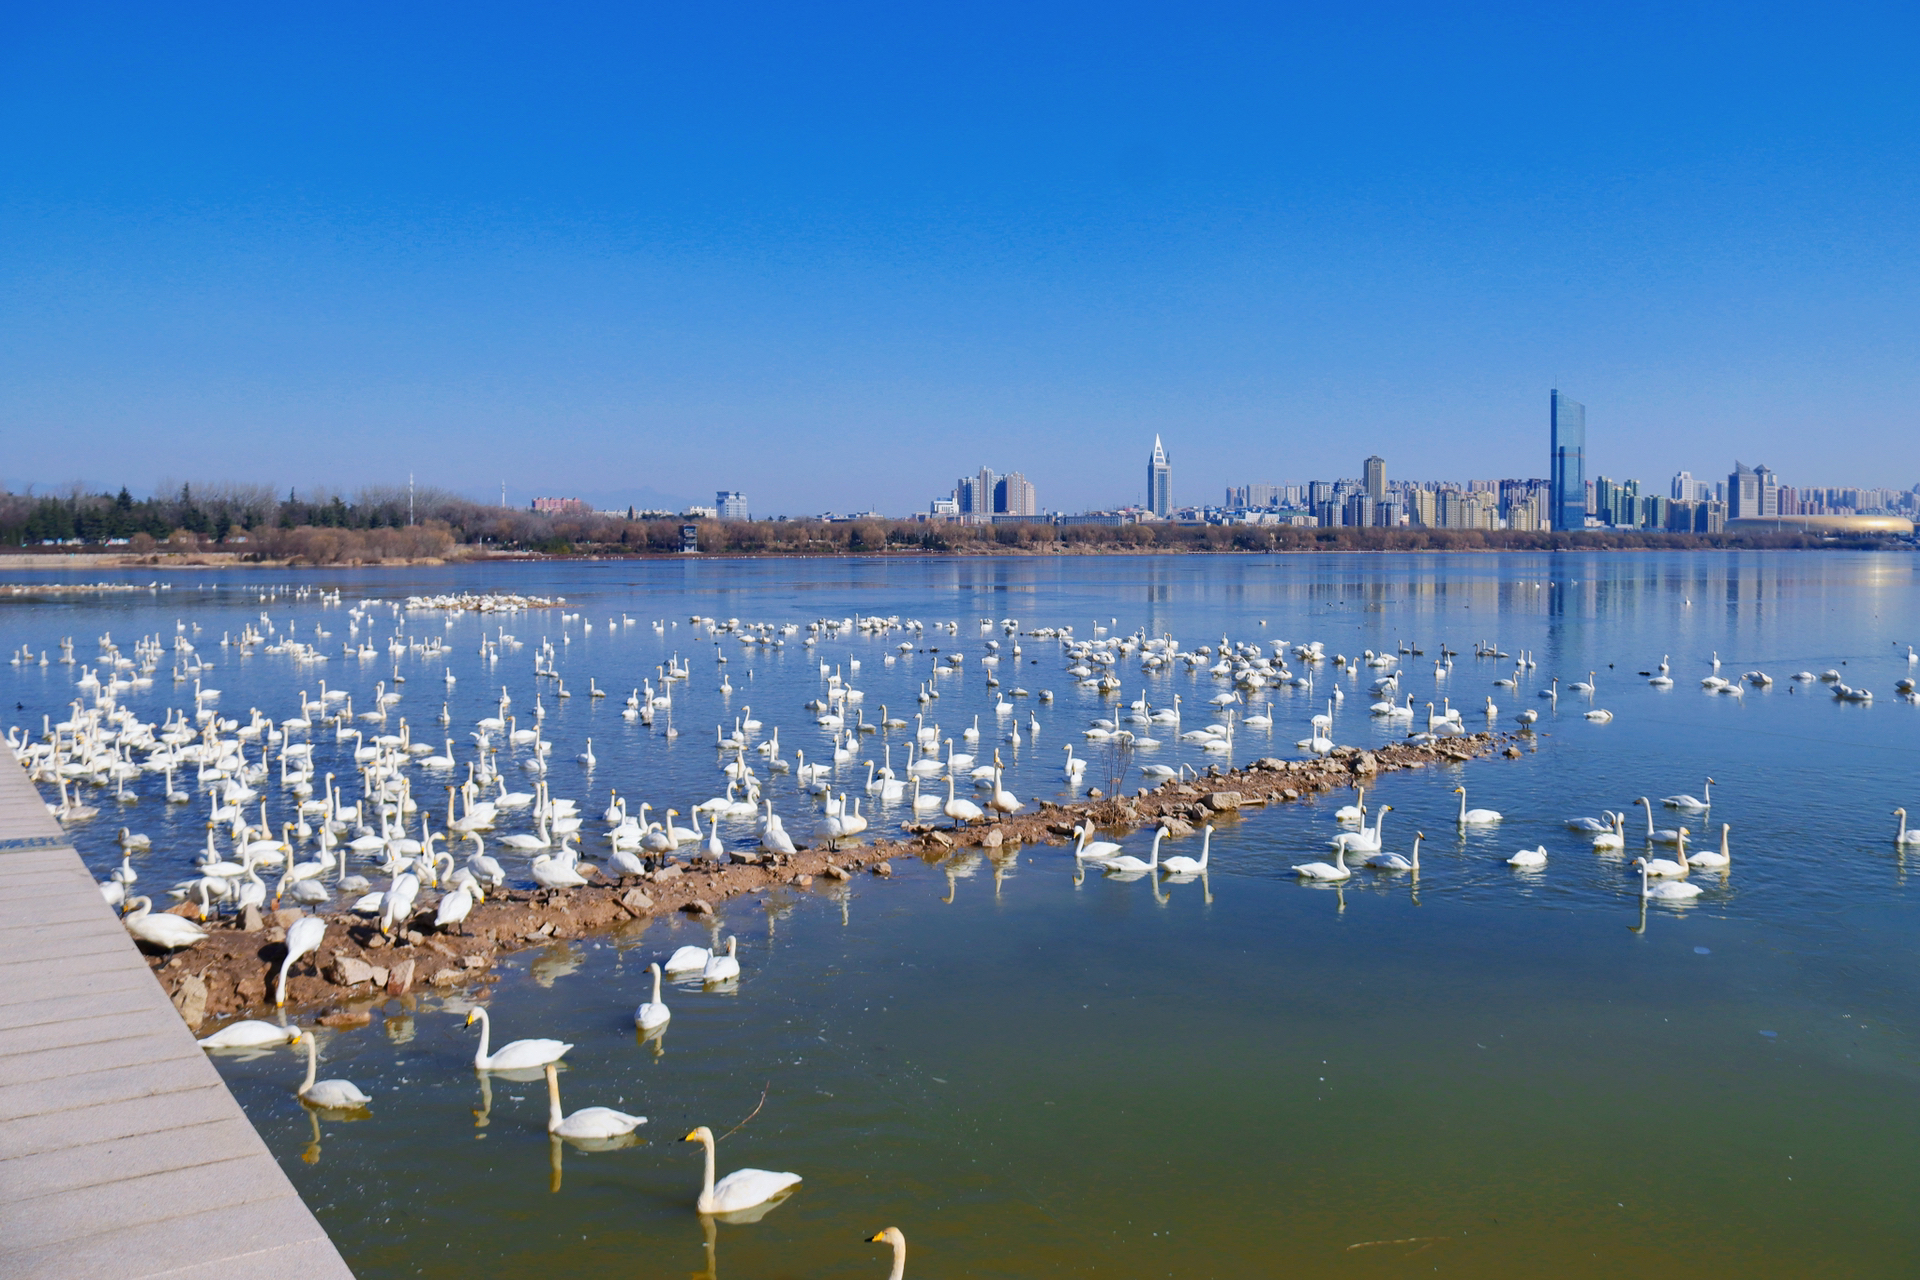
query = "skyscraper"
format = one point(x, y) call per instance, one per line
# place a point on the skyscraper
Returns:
point(1159, 481)
point(975, 493)
point(1567, 462)
point(1752, 491)
point(1374, 471)
point(731, 504)
point(1014, 496)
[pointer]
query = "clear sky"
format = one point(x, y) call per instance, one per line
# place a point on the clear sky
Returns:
point(837, 255)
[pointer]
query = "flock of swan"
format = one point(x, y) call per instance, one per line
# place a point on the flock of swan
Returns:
point(430, 819)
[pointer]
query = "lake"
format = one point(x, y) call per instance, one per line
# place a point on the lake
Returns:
point(1476, 1071)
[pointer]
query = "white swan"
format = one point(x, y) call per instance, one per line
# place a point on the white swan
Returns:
point(1399, 861)
point(303, 935)
point(1475, 817)
point(722, 968)
point(1614, 838)
point(1089, 849)
point(1689, 803)
point(1355, 812)
point(1665, 835)
point(330, 1095)
point(1365, 840)
point(516, 1055)
point(1715, 861)
point(1181, 865)
point(1904, 836)
point(549, 873)
point(893, 1237)
point(653, 1013)
point(588, 1123)
point(457, 905)
point(1127, 862)
point(1335, 870)
point(688, 959)
point(741, 1189)
point(169, 933)
point(1674, 866)
point(250, 1034)
point(961, 811)
point(1666, 890)
point(1529, 859)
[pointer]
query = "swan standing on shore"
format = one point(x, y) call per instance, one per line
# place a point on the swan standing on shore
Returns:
point(741, 1189)
point(167, 932)
point(516, 1055)
point(303, 935)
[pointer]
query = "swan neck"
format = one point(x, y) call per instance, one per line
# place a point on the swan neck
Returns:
point(313, 1063)
point(553, 1099)
point(706, 1183)
point(899, 1271)
point(486, 1033)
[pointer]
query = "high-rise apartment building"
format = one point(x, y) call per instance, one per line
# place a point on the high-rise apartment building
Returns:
point(1256, 495)
point(1686, 489)
point(1567, 460)
point(1014, 496)
point(1752, 491)
point(1159, 481)
point(731, 504)
point(1374, 476)
point(975, 493)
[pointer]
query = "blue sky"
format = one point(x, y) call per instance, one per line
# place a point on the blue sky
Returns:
point(837, 255)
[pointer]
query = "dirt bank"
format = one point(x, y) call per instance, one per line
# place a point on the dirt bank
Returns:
point(232, 973)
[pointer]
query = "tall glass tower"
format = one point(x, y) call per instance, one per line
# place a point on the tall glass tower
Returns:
point(1567, 466)
point(1159, 481)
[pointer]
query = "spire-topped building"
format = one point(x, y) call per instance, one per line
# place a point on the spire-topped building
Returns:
point(1159, 481)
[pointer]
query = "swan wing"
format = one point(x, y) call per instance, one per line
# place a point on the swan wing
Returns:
point(598, 1122)
point(528, 1053)
point(744, 1188)
point(688, 958)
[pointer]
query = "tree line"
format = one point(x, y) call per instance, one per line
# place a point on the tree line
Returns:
point(380, 524)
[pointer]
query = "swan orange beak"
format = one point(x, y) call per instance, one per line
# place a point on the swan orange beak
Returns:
point(877, 1238)
point(692, 1137)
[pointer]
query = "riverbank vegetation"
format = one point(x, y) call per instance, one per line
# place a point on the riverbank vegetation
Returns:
point(253, 523)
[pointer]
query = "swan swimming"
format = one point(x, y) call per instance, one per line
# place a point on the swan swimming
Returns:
point(515, 1055)
point(588, 1123)
point(741, 1189)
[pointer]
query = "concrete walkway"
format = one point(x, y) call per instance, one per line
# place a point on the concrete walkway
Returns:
point(121, 1152)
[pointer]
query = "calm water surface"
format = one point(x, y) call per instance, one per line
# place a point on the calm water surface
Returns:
point(1480, 1072)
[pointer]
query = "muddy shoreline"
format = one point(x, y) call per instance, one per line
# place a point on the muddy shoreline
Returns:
point(233, 972)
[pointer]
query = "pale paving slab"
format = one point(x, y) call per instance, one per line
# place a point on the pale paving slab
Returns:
point(122, 1155)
